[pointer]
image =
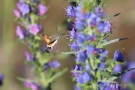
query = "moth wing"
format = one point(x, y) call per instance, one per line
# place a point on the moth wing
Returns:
point(41, 35)
point(47, 38)
point(53, 40)
point(44, 37)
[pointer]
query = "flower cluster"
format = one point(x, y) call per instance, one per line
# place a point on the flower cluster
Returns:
point(89, 28)
point(1, 79)
point(28, 13)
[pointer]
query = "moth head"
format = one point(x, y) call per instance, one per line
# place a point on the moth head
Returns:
point(49, 49)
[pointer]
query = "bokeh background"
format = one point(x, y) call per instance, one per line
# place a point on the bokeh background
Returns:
point(12, 51)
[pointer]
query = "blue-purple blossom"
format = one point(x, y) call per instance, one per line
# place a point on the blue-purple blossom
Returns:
point(102, 65)
point(118, 56)
point(55, 64)
point(104, 26)
point(73, 33)
point(71, 26)
point(77, 88)
point(90, 50)
point(86, 77)
point(74, 46)
point(93, 18)
point(80, 24)
point(81, 38)
point(100, 12)
point(29, 56)
point(43, 49)
point(118, 68)
point(1, 79)
point(17, 13)
point(108, 86)
point(83, 77)
point(81, 57)
point(20, 32)
point(42, 9)
point(35, 28)
point(31, 85)
point(71, 11)
point(129, 77)
point(80, 76)
point(103, 55)
point(24, 8)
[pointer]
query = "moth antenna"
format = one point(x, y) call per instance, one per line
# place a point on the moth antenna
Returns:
point(63, 7)
point(57, 31)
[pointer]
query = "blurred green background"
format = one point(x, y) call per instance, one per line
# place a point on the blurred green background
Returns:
point(12, 51)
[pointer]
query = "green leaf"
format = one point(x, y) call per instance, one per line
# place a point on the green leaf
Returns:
point(73, 52)
point(21, 79)
point(112, 78)
point(109, 17)
point(57, 75)
point(37, 38)
point(69, 52)
point(104, 43)
point(62, 56)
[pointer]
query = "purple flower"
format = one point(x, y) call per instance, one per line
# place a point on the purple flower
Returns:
point(54, 64)
point(81, 57)
point(90, 50)
point(42, 9)
point(78, 68)
point(31, 85)
point(17, 13)
point(29, 57)
point(129, 77)
point(1, 79)
point(94, 19)
point(102, 65)
point(74, 46)
point(71, 26)
point(117, 68)
point(86, 77)
point(100, 12)
point(43, 49)
point(118, 56)
point(20, 32)
point(77, 88)
point(71, 11)
point(103, 55)
point(35, 28)
point(25, 9)
point(73, 33)
point(83, 78)
point(81, 38)
point(80, 24)
point(108, 86)
point(104, 26)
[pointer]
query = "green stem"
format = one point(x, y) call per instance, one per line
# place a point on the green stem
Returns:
point(42, 74)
